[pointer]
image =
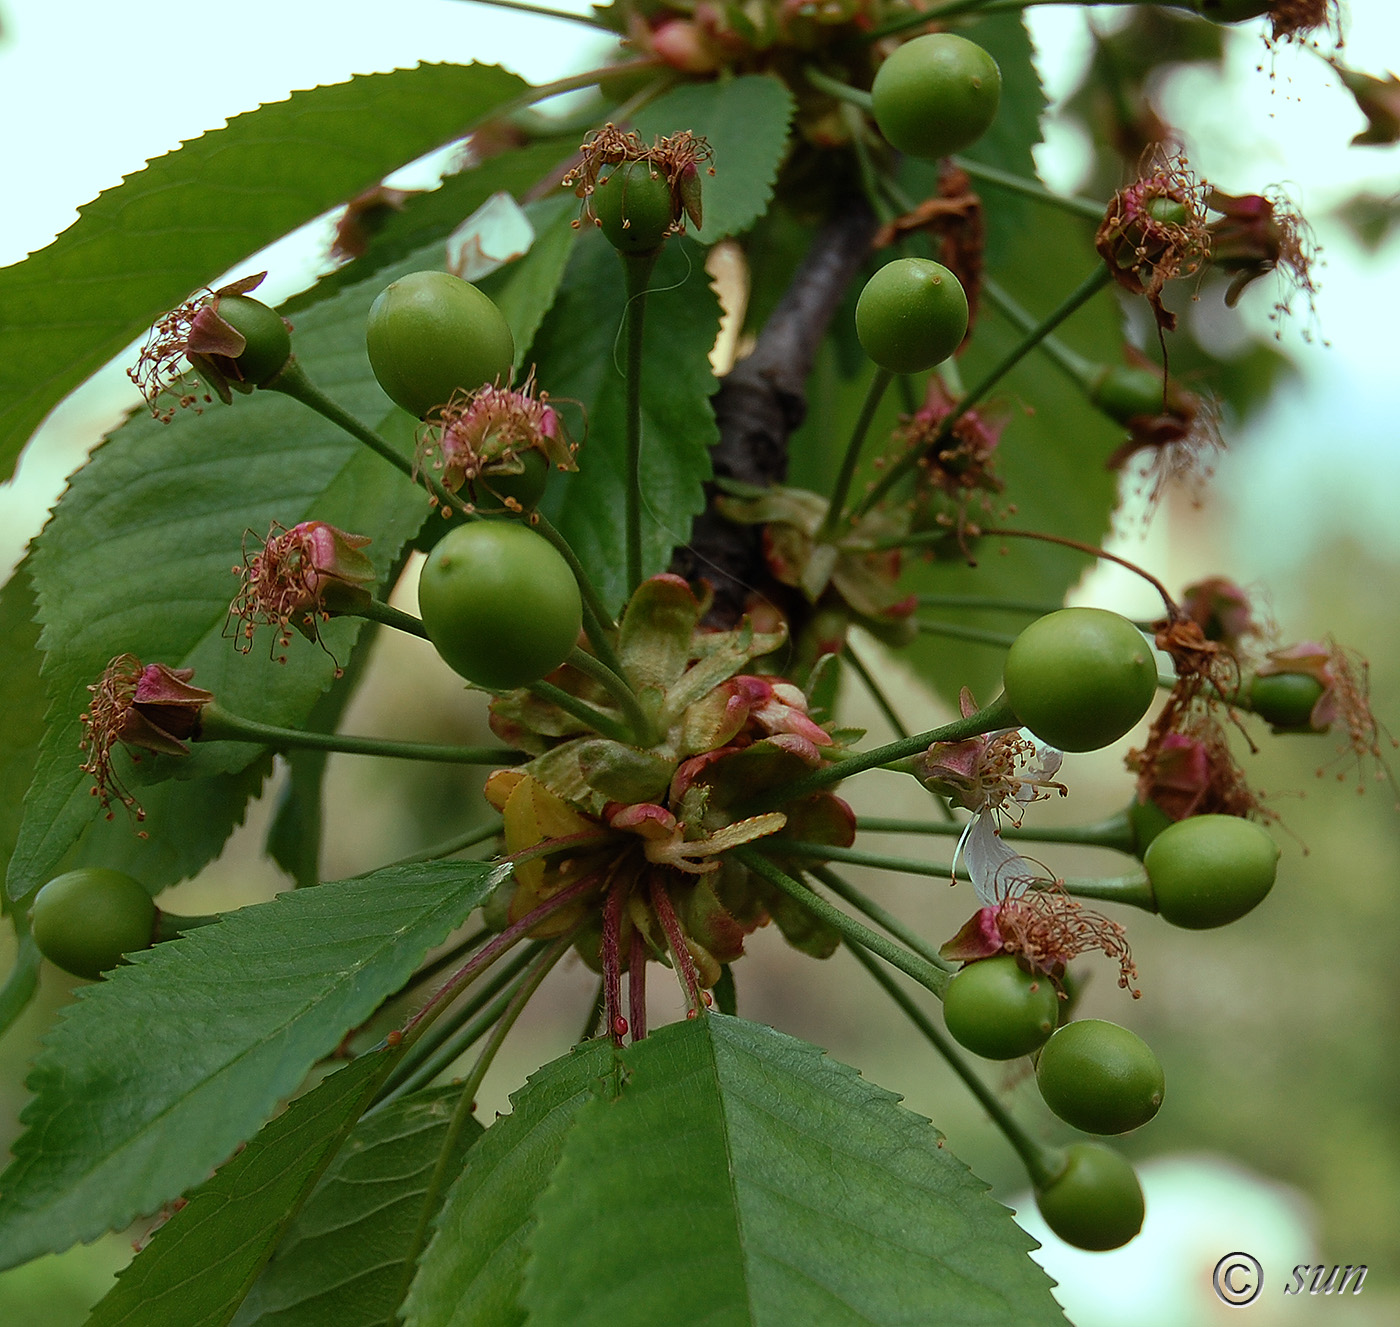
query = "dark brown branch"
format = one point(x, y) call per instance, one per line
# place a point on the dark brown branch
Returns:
point(763, 399)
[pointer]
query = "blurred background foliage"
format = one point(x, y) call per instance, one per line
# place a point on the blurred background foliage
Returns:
point(1278, 1034)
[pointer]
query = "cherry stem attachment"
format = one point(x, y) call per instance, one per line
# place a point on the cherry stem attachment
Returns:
point(1005, 179)
point(293, 381)
point(638, 269)
point(1042, 1164)
point(593, 606)
point(913, 965)
point(882, 916)
point(1115, 832)
point(998, 714)
point(834, 87)
point(218, 725)
point(998, 532)
point(388, 616)
point(1081, 295)
point(878, 385)
point(779, 847)
point(643, 730)
point(1133, 889)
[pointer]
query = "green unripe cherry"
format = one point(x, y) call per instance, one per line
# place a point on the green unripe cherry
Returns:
point(269, 344)
point(1285, 700)
point(495, 490)
point(86, 920)
point(936, 95)
point(1100, 1077)
point(499, 603)
point(911, 315)
point(1080, 678)
point(998, 1010)
point(1096, 1202)
point(1125, 393)
point(1210, 870)
point(1147, 820)
point(430, 334)
point(634, 207)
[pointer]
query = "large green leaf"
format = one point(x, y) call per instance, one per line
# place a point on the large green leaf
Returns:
point(137, 559)
point(22, 716)
point(745, 121)
point(199, 1265)
point(156, 1074)
point(471, 1272)
point(192, 214)
point(341, 1261)
point(740, 1177)
point(580, 355)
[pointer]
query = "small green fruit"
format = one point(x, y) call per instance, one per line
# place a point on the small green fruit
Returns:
point(1080, 678)
point(998, 1010)
point(269, 344)
point(1285, 700)
point(634, 207)
point(1100, 1077)
point(86, 920)
point(1210, 870)
point(431, 334)
point(911, 315)
point(936, 95)
point(1096, 1202)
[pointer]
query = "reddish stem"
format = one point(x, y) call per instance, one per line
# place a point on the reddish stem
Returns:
point(675, 939)
point(1172, 610)
point(484, 957)
point(637, 985)
point(546, 847)
point(612, 969)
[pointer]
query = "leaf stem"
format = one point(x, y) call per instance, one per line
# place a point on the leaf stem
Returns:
point(218, 725)
point(780, 847)
point(882, 916)
point(592, 601)
point(638, 269)
point(1081, 295)
point(834, 87)
point(1005, 179)
point(913, 965)
point(1042, 1163)
point(675, 942)
point(1093, 551)
point(642, 729)
point(876, 390)
point(293, 381)
point(581, 710)
point(544, 11)
point(956, 631)
point(998, 714)
point(467, 839)
point(385, 614)
point(1115, 832)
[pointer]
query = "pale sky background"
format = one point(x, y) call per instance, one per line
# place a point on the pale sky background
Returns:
point(91, 89)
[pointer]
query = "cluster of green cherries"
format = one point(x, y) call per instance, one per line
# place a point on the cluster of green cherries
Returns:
point(502, 607)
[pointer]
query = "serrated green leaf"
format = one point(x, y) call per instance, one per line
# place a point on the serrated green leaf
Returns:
point(137, 558)
point(429, 218)
point(740, 1177)
point(580, 355)
point(199, 1264)
point(156, 1074)
point(745, 120)
point(341, 1261)
point(524, 290)
point(22, 718)
point(190, 215)
point(470, 1274)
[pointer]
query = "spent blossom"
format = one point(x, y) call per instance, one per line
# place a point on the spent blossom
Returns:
point(296, 579)
point(144, 707)
point(1253, 235)
point(678, 157)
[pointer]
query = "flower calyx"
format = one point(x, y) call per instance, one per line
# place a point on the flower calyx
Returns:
point(142, 707)
point(676, 158)
point(234, 344)
point(297, 579)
